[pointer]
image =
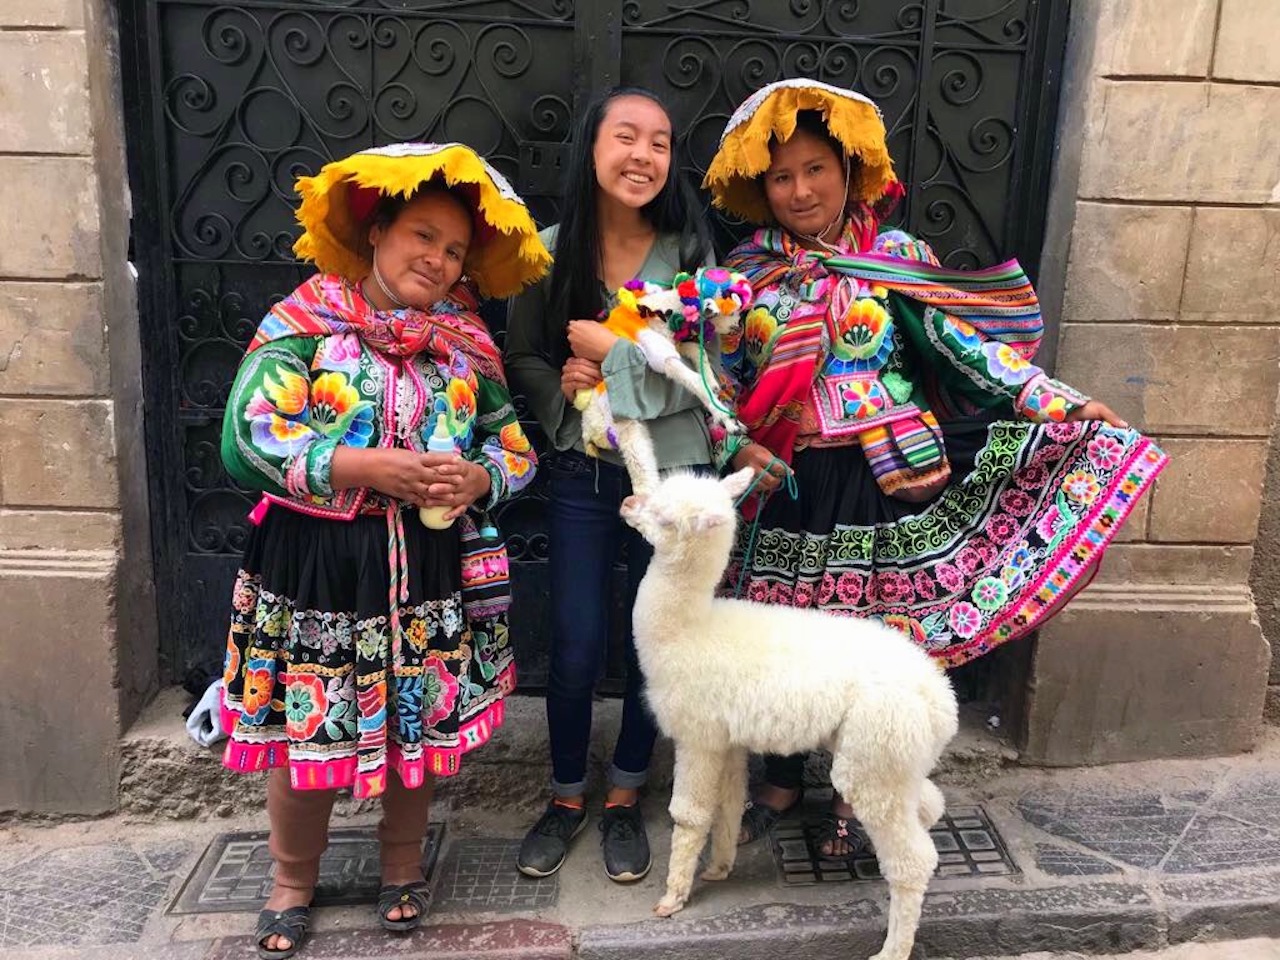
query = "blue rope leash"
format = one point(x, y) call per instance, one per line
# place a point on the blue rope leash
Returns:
point(748, 555)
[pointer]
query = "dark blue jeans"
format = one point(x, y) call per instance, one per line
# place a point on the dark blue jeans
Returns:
point(585, 534)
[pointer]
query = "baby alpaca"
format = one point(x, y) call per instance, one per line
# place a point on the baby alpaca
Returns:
point(667, 324)
point(726, 677)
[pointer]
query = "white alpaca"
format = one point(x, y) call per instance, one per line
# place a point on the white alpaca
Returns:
point(726, 677)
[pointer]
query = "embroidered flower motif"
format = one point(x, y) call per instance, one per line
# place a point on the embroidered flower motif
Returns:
point(304, 703)
point(1064, 432)
point(862, 398)
point(245, 597)
point(516, 465)
point(417, 635)
point(1012, 577)
point(758, 591)
point(1105, 452)
point(926, 588)
point(1047, 525)
point(259, 682)
point(961, 332)
point(273, 619)
point(968, 560)
point(1046, 407)
point(1034, 476)
point(338, 412)
point(1049, 454)
point(288, 394)
point(984, 548)
point(758, 329)
point(827, 589)
point(780, 593)
point(371, 643)
point(513, 438)
point(439, 690)
point(989, 593)
point(804, 594)
point(461, 400)
point(1082, 486)
point(1017, 502)
point(279, 436)
point(864, 331)
point(308, 632)
point(231, 662)
point(849, 588)
point(950, 577)
point(894, 587)
point(964, 619)
point(1001, 528)
point(907, 626)
point(1006, 364)
point(340, 352)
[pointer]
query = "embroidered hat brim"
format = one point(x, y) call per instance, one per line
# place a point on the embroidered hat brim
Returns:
point(505, 255)
point(770, 113)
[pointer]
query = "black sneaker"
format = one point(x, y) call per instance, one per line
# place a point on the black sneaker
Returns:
point(547, 844)
point(626, 845)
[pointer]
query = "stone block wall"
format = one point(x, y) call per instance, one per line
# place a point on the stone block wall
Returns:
point(1168, 254)
point(78, 645)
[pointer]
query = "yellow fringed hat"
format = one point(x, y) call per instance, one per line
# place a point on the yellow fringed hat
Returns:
point(770, 113)
point(505, 253)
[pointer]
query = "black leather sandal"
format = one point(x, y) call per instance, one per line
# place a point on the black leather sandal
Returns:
point(292, 923)
point(836, 829)
point(416, 894)
point(759, 818)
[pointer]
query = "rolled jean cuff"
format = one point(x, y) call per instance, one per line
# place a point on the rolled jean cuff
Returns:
point(568, 789)
point(626, 779)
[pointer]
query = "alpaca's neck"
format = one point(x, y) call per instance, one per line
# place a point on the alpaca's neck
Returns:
point(681, 585)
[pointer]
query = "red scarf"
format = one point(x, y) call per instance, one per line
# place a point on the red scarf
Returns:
point(328, 304)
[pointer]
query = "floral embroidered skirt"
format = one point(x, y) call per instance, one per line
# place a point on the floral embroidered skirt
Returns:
point(1027, 515)
point(315, 678)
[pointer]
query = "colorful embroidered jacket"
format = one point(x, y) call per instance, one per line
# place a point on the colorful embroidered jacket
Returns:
point(879, 335)
point(296, 397)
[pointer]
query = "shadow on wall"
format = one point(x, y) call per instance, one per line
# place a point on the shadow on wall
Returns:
point(1264, 576)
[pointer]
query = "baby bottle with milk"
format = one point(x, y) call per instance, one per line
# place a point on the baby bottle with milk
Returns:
point(439, 442)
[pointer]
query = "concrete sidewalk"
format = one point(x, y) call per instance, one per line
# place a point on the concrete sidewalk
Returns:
point(1094, 861)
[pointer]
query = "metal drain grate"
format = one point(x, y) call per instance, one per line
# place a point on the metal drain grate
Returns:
point(482, 875)
point(968, 846)
point(234, 874)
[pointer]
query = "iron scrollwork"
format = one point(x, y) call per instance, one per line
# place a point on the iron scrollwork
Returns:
point(252, 94)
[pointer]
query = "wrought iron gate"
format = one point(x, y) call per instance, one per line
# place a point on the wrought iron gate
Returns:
point(227, 102)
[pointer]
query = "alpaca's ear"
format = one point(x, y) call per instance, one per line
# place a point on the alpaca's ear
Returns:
point(735, 484)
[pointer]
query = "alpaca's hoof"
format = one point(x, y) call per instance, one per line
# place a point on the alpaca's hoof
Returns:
point(669, 905)
point(717, 871)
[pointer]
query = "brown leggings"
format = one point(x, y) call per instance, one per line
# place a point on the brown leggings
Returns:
point(300, 827)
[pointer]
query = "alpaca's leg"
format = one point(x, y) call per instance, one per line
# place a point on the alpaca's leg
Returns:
point(692, 381)
point(636, 447)
point(890, 802)
point(724, 832)
point(932, 804)
point(694, 799)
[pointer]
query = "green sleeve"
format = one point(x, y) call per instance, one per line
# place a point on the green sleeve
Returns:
point(267, 440)
point(638, 392)
point(499, 443)
point(528, 358)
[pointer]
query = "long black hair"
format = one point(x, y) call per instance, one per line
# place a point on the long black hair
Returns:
point(575, 272)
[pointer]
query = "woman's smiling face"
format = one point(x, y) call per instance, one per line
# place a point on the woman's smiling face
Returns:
point(419, 255)
point(632, 150)
point(805, 184)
